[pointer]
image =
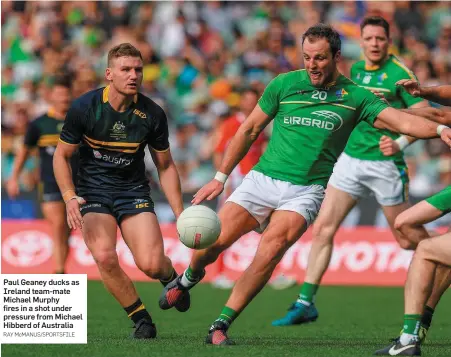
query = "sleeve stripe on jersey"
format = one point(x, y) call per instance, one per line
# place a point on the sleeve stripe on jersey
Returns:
point(64, 142)
point(112, 143)
point(401, 65)
point(377, 89)
point(322, 102)
point(159, 150)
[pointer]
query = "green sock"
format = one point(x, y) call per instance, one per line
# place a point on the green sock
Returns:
point(426, 319)
point(227, 315)
point(412, 324)
point(191, 275)
point(308, 293)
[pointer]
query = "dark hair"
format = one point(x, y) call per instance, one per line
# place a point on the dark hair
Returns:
point(376, 21)
point(62, 81)
point(123, 50)
point(323, 31)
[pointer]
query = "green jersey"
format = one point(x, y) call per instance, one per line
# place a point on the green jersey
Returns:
point(364, 141)
point(311, 125)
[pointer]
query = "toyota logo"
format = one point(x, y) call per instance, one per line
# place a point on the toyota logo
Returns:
point(27, 248)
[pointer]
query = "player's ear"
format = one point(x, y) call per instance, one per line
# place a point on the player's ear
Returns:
point(337, 57)
point(108, 74)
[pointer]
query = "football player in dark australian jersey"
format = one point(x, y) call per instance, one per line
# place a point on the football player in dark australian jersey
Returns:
point(43, 132)
point(111, 126)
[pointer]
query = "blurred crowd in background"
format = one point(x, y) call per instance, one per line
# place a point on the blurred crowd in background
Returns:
point(198, 59)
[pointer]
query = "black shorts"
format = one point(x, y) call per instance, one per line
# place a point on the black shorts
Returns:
point(50, 192)
point(117, 204)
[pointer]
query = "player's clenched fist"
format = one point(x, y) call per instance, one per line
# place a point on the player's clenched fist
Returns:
point(411, 86)
point(209, 191)
point(388, 146)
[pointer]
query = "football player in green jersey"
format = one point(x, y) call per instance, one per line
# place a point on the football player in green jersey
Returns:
point(112, 126)
point(363, 168)
point(431, 255)
point(314, 112)
point(43, 132)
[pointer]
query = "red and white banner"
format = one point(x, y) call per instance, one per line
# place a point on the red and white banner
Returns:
point(362, 256)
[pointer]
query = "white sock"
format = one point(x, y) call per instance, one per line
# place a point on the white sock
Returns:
point(185, 282)
point(407, 338)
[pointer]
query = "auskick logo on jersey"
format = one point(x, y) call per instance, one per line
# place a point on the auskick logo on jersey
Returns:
point(323, 119)
point(112, 159)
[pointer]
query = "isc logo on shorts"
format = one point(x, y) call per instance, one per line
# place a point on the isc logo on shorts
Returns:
point(142, 205)
point(140, 114)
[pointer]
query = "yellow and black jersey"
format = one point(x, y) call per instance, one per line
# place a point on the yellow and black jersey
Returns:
point(44, 132)
point(111, 154)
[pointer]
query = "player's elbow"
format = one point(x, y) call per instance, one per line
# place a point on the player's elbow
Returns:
point(60, 156)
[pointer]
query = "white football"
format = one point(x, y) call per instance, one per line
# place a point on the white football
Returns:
point(198, 227)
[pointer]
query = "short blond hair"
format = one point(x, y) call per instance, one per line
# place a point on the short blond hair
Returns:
point(123, 50)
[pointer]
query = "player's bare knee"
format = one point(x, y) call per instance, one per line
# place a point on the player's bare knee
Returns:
point(424, 249)
point(216, 249)
point(152, 266)
point(107, 260)
point(323, 233)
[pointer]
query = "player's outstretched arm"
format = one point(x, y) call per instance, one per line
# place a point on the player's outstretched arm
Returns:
point(435, 114)
point(389, 146)
point(437, 94)
point(413, 125)
point(169, 179)
point(247, 133)
point(63, 175)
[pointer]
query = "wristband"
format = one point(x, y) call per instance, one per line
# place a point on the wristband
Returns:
point(440, 128)
point(69, 195)
point(402, 142)
point(221, 177)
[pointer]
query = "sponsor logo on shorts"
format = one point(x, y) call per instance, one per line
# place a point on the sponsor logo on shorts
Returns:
point(112, 159)
point(322, 119)
point(90, 205)
point(141, 203)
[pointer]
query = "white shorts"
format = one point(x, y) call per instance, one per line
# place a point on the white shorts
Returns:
point(360, 178)
point(260, 195)
point(233, 182)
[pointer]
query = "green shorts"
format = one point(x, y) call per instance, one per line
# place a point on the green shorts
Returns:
point(441, 200)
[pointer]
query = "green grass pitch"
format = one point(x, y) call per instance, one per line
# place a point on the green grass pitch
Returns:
point(353, 321)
